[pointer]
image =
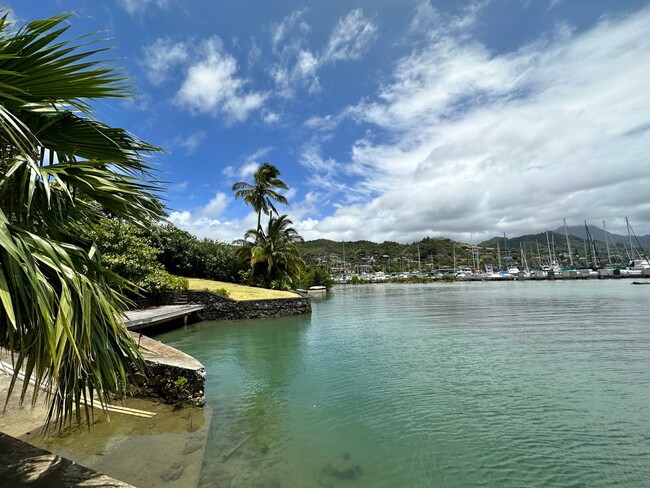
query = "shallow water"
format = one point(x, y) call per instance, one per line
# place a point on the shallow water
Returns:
point(475, 384)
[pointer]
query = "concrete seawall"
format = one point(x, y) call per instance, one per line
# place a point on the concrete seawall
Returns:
point(173, 376)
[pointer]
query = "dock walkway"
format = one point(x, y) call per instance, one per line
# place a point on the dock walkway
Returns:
point(140, 319)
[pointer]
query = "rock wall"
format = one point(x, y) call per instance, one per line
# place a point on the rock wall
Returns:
point(222, 308)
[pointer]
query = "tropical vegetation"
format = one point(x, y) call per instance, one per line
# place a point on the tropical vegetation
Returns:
point(128, 250)
point(273, 254)
point(61, 171)
point(262, 192)
point(184, 254)
point(316, 276)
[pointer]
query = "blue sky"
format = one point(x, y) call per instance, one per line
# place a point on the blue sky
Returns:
point(388, 120)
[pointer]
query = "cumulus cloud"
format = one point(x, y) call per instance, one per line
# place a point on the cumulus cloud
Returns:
point(474, 141)
point(248, 169)
point(211, 83)
point(208, 221)
point(212, 86)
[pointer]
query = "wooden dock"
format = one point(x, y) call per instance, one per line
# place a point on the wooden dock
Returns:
point(140, 319)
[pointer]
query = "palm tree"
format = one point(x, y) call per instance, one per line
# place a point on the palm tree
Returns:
point(60, 171)
point(261, 194)
point(274, 250)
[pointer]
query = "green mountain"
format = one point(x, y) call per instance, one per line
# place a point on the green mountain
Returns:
point(390, 256)
point(385, 256)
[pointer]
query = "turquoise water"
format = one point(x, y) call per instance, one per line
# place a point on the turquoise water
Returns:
point(476, 384)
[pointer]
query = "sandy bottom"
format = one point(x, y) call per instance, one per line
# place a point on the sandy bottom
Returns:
point(163, 451)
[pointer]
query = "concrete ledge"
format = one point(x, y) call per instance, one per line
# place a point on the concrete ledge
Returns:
point(143, 318)
point(173, 376)
point(24, 465)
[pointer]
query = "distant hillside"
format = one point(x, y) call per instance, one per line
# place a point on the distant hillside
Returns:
point(392, 256)
point(379, 256)
point(558, 244)
point(599, 234)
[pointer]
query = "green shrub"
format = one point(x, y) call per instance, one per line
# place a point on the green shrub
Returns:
point(221, 292)
point(280, 284)
point(159, 281)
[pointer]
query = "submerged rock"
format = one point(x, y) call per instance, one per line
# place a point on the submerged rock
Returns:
point(340, 469)
point(174, 472)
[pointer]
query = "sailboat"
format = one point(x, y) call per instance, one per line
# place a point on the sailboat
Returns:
point(638, 266)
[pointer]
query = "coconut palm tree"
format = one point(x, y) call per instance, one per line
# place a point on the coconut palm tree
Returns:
point(262, 193)
point(274, 251)
point(61, 170)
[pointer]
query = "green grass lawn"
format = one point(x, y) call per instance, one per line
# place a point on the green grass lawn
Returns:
point(239, 292)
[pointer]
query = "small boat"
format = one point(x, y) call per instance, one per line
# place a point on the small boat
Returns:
point(317, 290)
point(641, 282)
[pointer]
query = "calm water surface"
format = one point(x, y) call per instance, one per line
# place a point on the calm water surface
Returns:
point(476, 384)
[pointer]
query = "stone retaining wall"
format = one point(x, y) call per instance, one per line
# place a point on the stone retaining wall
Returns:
point(223, 308)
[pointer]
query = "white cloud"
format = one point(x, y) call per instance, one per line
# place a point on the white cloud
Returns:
point(212, 86)
point(293, 21)
point(248, 169)
point(228, 171)
point(134, 7)
point(349, 38)
point(270, 118)
point(202, 225)
point(178, 187)
point(211, 83)
point(215, 207)
point(474, 141)
point(258, 154)
point(192, 142)
point(299, 66)
point(161, 56)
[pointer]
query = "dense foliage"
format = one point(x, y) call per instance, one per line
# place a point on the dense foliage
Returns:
point(316, 276)
point(127, 250)
point(186, 255)
point(60, 170)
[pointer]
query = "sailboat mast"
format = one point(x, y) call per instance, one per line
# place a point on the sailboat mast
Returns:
point(629, 236)
point(419, 263)
point(548, 245)
point(609, 255)
point(568, 243)
point(499, 255)
point(454, 250)
point(343, 257)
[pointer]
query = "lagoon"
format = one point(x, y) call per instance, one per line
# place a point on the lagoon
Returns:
point(463, 384)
